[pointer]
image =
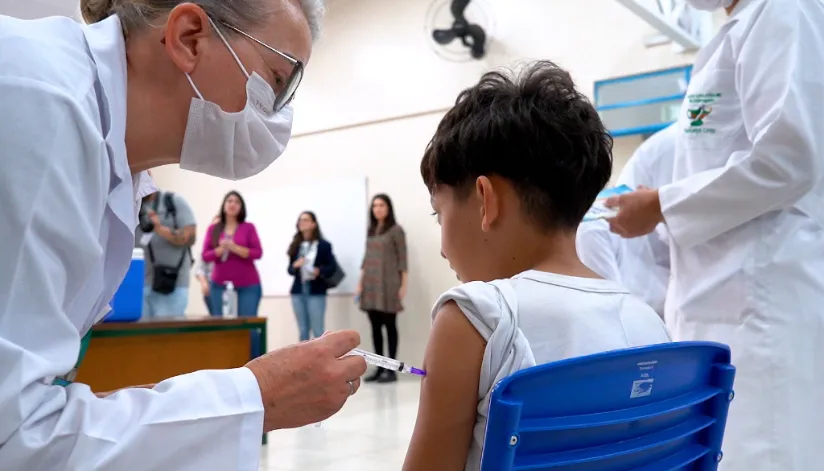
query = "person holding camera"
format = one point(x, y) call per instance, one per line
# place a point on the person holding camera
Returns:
point(168, 230)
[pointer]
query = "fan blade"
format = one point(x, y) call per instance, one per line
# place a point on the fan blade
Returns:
point(443, 36)
point(477, 32)
point(458, 7)
point(478, 35)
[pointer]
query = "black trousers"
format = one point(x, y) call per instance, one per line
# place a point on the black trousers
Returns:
point(379, 320)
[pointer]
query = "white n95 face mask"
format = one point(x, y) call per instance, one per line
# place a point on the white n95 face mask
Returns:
point(709, 5)
point(235, 145)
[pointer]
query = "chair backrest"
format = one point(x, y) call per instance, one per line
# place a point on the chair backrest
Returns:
point(656, 408)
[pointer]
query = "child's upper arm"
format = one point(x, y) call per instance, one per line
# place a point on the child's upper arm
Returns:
point(449, 394)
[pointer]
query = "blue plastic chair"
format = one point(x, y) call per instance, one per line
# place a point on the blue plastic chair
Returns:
point(656, 408)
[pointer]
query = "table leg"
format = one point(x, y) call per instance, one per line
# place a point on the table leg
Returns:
point(261, 350)
point(264, 348)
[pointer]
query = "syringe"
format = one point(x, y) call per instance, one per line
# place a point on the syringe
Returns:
point(387, 363)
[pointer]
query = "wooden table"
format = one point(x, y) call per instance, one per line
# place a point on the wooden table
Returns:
point(123, 354)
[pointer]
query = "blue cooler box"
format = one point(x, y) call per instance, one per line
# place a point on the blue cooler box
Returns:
point(127, 303)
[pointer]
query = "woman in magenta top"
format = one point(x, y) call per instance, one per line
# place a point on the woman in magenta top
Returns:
point(233, 245)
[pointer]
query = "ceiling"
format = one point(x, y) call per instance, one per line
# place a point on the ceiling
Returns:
point(30, 9)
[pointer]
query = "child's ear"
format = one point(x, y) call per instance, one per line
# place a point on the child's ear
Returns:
point(490, 202)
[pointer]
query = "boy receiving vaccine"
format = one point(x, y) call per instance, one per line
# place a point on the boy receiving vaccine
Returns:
point(512, 169)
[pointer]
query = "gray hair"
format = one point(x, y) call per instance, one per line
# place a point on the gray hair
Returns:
point(314, 11)
point(243, 14)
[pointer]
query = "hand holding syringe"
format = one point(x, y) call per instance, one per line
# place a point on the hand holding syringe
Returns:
point(386, 363)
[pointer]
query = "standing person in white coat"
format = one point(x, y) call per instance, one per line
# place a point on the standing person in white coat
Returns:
point(86, 110)
point(745, 213)
point(641, 264)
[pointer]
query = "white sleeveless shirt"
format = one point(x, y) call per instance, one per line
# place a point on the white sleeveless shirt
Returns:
point(539, 317)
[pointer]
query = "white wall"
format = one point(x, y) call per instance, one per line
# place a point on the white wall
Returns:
point(372, 97)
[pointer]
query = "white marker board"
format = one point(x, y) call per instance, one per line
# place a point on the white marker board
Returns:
point(341, 207)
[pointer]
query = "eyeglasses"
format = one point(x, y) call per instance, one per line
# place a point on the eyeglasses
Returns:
point(285, 93)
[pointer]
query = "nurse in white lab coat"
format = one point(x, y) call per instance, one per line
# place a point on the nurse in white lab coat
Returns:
point(84, 112)
point(641, 264)
point(745, 215)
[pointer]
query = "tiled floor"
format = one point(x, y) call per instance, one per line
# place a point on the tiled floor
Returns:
point(371, 433)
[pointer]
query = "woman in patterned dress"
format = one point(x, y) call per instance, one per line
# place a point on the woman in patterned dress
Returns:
point(382, 284)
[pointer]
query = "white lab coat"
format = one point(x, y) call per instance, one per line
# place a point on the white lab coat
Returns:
point(640, 264)
point(67, 220)
point(746, 221)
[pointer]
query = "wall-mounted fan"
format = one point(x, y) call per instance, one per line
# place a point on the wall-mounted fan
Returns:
point(466, 37)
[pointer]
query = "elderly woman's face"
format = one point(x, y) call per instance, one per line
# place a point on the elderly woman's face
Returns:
point(219, 77)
